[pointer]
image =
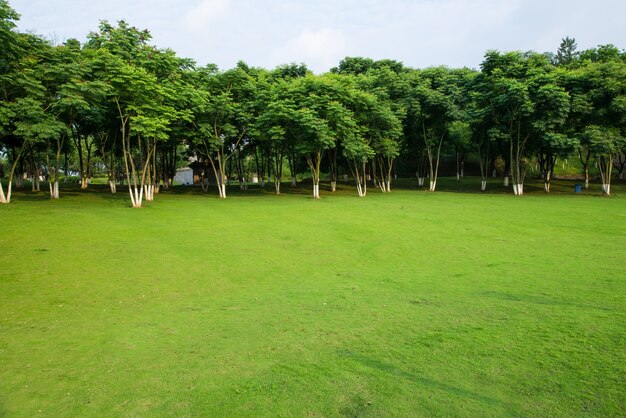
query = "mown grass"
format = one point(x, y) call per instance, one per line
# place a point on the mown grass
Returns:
point(404, 304)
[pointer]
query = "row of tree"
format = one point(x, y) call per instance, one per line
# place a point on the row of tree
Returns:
point(138, 109)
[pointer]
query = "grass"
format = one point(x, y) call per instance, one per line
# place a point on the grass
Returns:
point(403, 304)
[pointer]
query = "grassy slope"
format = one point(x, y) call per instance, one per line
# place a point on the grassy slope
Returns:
point(410, 303)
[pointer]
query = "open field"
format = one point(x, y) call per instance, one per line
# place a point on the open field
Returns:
point(405, 304)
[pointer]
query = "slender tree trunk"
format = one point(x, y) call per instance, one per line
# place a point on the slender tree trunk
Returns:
point(277, 163)
point(483, 158)
point(332, 158)
point(314, 162)
point(605, 164)
point(518, 169)
point(584, 160)
point(433, 158)
point(7, 198)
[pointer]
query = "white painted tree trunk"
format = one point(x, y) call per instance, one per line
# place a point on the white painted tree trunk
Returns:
point(277, 185)
point(333, 186)
point(433, 185)
point(586, 183)
point(112, 186)
point(136, 195)
point(316, 191)
point(8, 197)
point(458, 175)
point(518, 189)
point(606, 189)
point(149, 192)
point(222, 189)
point(506, 181)
point(494, 173)
point(420, 181)
point(54, 189)
point(483, 185)
point(294, 183)
point(388, 184)
point(546, 187)
point(3, 198)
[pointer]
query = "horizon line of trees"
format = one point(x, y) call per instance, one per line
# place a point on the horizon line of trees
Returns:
point(139, 110)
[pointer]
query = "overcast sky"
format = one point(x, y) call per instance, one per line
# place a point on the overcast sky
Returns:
point(320, 33)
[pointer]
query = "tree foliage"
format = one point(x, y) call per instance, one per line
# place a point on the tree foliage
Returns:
point(138, 110)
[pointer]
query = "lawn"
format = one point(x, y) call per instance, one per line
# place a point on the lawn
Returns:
point(402, 304)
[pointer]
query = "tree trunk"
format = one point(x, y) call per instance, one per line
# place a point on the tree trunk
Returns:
point(7, 198)
point(277, 184)
point(277, 166)
point(332, 158)
point(584, 160)
point(314, 162)
point(605, 164)
point(518, 169)
point(359, 176)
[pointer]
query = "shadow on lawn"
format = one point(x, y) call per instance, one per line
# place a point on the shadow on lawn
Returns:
point(424, 381)
point(538, 300)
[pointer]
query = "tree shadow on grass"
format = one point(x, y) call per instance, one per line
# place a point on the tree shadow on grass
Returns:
point(539, 300)
point(425, 381)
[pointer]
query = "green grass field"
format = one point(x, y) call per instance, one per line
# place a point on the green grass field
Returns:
point(404, 304)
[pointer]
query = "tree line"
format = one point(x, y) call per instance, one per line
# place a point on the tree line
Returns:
point(139, 109)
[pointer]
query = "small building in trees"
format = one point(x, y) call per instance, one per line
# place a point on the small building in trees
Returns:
point(184, 176)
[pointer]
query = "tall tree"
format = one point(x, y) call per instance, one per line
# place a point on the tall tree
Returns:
point(225, 118)
point(438, 95)
point(605, 143)
point(525, 102)
point(566, 54)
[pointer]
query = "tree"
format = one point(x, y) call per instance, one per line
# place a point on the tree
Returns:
point(551, 108)
point(381, 131)
point(438, 95)
point(357, 152)
point(526, 104)
point(26, 120)
point(483, 132)
point(598, 91)
point(144, 119)
point(566, 53)
point(322, 118)
point(460, 135)
point(76, 98)
point(277, 123)
point(225, 118)
point(604, 142)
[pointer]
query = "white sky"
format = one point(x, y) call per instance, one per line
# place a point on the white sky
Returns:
point(320, 33)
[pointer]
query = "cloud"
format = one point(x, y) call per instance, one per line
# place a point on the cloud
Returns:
point(319, 49)
point(206, 11)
